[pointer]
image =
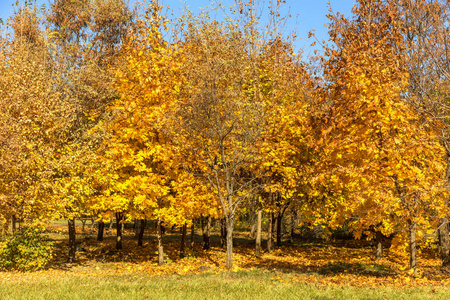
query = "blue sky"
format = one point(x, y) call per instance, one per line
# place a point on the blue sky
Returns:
point(306, 14)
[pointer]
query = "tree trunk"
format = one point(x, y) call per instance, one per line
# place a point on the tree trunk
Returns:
point(13, 223)
point(110, 227)
point(142, 224)
point(206, 230)
point(253, 222)
point(270, 234)
point(72, 240)
point(378, 245)
point(192, 236)
point(92, 225)
point(223, 232)
point(294, 224)
point(229, 262)
point(160, 242)
point(137, 227)
point(444, 226)
point(258, 233)
point(119, 217)
point(279, 220)
point(183, 239)
point(412, 246)
point(101, 229)
point(83, 222)
point(444, 241)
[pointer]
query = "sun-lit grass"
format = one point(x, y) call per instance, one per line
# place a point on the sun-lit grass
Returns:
point(257, 284)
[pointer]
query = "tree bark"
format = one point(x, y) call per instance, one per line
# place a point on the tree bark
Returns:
point(192, 236)
point(142, 224)
point(412, 246)
point(72, 240)
point(137, 227)
point(101, 229)
point(160, 242)
point(229, 262)
point(183, 239)
point(258, 233)
point(270, 234)
point(83, 222)
point(206, 231)
point(13, 223)
point(294, 224)
point(92, 225)
point(444, 241)
point(379, 245)
point(119, 217)
point(444, 227)
point(279, 220)
point(110, 227)
point(253, 221)
point(223, 232)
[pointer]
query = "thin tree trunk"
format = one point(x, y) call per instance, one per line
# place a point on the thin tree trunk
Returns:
point(270, 234)
point(110, 226)
point(379, 245)
point(294, 224)
point(142, 224)
point(229, 262)
point(279, 220)
point(137, 227)
point(119, 217)
point(203, 226)
point(101, 229)
point(183, 239)
point(444, 241)
point(206, 228)
point(192, 236)
point(83, 222)
point(72, 240)
point(412, 246)
point(13, 223)
point(223, 233)
point(258, 233)
point(160, 242)
point(253, 222)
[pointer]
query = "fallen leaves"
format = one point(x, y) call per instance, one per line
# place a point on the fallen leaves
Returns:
point(314, 264)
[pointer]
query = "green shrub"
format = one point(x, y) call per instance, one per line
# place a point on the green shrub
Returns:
point(26, 251)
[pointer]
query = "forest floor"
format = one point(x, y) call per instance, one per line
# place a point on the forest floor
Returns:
point(300, 270)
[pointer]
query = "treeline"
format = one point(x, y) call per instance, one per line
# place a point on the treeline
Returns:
point(118, 112)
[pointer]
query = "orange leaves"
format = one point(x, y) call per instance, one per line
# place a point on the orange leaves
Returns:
point(379, 149)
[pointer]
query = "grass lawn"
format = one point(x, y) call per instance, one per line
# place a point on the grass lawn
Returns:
point(256, 284)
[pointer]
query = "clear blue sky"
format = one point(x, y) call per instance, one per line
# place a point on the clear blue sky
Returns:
point(306, 14)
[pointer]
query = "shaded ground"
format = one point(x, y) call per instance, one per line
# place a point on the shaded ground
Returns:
point(305, 262)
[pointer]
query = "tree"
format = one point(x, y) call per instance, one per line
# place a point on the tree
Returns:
point(382, 159)
point(426, 38)
point(219, 125)
point(138, 157)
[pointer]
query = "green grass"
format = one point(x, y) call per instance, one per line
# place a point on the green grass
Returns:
point(231, 285)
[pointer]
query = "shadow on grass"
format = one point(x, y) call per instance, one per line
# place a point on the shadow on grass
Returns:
point(308, 257)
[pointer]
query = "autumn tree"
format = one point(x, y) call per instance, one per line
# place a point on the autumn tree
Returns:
point(382, 159)
point(139, 156)
point(427, 55)
point(219, 124)
point(85, 36)
point(35, 118)
point(286, 147)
